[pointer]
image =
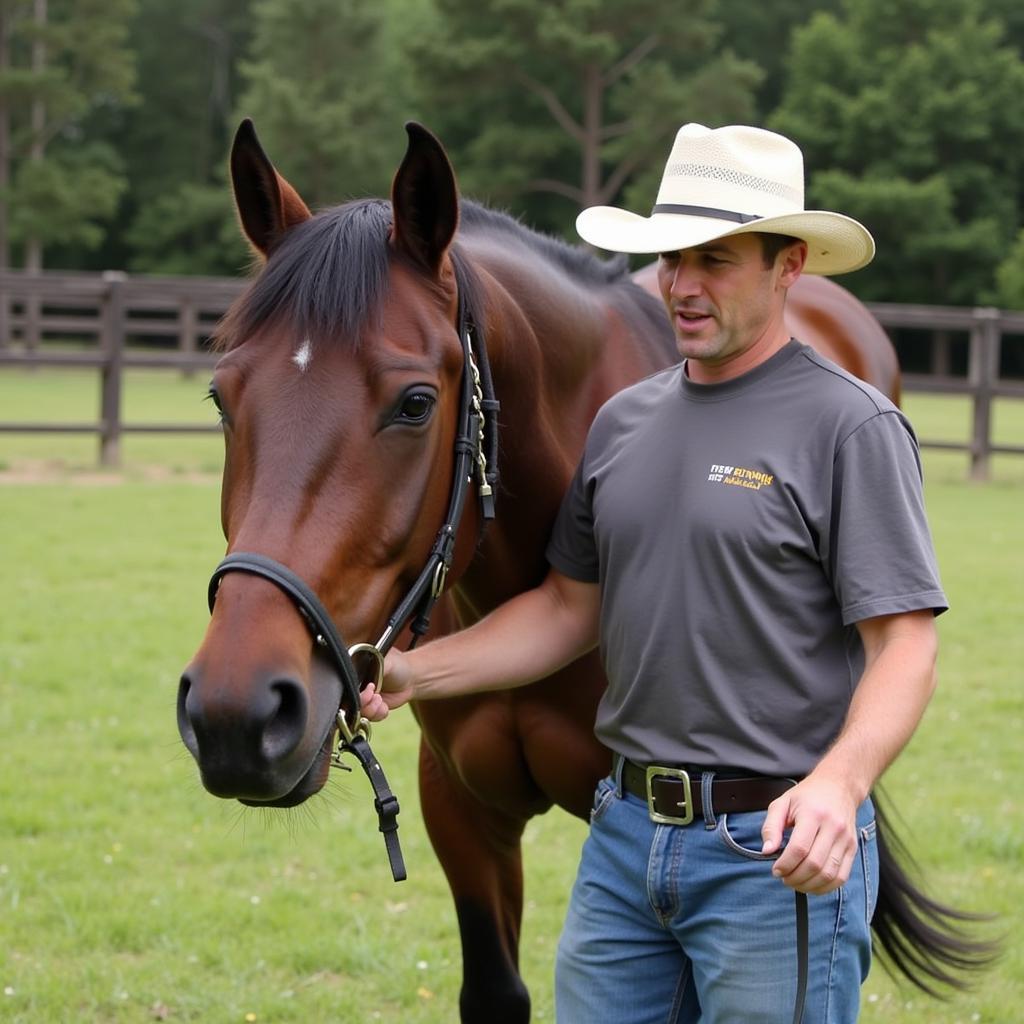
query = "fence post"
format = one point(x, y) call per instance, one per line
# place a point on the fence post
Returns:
point(32, 332)
point(982, 371)
point(5, 314)
point(941, 360)
point(112, 343)
point(189, 321)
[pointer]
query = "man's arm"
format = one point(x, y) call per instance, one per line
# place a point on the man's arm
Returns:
point(898, 681)
point(525, 639)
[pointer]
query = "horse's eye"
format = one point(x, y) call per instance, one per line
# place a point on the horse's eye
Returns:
point(213, 396)
point(416, 407)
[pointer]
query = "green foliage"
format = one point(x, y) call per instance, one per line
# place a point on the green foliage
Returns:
point(323, 90)
point(187, 53)
point(1010, 277)
point(69, 196)
point(175, 142)
point(760, 33)
point(95, 65)
point(189, 230)
point(538, 100)
point(64, 188)
point(910, 120)
point(908, 111)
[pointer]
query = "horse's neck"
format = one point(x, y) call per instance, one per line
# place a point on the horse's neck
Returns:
point(544, 319)
point(570, 339)
point(558, 350)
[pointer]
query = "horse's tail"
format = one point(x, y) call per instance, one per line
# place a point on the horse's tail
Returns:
point(916, 935)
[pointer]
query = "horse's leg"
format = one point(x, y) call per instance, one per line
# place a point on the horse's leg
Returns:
point(479, 850)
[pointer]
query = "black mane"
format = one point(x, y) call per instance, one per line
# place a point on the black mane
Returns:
point(577, 261)
point(327, 277)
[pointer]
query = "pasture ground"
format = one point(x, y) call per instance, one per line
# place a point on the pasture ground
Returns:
point(127, 894)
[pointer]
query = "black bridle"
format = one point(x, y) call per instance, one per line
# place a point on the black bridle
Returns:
point(476, 449)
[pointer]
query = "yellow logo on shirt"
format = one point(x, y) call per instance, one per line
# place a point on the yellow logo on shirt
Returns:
point(739, 476)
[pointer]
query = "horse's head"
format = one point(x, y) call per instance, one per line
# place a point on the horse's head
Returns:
point(338, 390)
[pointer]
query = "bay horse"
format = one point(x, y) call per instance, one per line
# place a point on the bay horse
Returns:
point(340, 388)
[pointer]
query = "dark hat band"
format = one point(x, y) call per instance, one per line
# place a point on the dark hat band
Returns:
point(707, 211)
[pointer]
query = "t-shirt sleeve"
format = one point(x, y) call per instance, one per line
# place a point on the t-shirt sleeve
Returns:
point(882, 558)
point(572, 549)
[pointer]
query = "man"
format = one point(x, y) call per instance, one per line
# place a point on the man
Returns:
point(745, 537)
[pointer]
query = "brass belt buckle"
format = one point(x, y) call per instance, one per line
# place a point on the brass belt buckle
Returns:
point(656, 772)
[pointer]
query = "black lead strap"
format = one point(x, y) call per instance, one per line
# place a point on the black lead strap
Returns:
point(801, 956)
point(385, 802)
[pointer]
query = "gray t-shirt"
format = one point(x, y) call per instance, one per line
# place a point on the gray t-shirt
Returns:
point(738, 531)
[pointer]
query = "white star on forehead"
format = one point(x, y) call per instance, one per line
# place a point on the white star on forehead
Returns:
point(303, 354)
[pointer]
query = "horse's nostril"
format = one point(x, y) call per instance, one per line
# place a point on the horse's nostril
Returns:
point(185, 727)
point(286, 726)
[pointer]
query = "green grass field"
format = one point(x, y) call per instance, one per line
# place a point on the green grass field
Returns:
point(127, 894)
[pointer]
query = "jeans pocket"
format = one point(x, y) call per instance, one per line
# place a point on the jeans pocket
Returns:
point(603, 797)
point(869, 859)
point(741, 833)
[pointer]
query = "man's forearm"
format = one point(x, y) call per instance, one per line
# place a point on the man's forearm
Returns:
point(525, 639)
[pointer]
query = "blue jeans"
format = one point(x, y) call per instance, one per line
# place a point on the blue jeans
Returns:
point(672, 924)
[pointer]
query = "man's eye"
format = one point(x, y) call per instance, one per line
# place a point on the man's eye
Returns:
point(415, 408)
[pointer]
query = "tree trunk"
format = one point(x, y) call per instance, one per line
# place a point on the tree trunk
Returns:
point(36, 154)
point(593, 95)
point(5, 174)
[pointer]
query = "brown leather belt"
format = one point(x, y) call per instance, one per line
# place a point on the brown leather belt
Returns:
point(674, 798)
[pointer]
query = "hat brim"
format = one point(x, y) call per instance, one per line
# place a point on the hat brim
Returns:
point(836, 244)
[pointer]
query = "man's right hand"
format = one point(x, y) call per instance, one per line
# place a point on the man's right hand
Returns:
point(396, 688)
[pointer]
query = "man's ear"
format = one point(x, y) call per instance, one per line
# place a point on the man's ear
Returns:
point(790, 263)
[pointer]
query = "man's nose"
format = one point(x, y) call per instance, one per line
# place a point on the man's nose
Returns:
point(686, 281)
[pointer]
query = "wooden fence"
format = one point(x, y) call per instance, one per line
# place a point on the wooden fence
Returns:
point(111, 322)
point(985, 328)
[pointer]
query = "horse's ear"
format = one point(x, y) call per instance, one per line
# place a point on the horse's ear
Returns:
point(425, 200)
point(267, 204)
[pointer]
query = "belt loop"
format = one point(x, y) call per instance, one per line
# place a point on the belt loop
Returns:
point(618, 763)
point(706, 779)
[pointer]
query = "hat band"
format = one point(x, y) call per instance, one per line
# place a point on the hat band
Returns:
point(707, 211)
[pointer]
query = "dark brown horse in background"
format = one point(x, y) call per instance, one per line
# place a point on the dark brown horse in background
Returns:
point(338, 386)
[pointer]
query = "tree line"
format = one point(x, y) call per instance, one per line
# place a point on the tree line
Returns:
point(116, 117)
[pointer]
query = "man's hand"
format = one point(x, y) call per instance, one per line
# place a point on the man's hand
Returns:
point(396, 688)
point(899, 676)
point(823, 843)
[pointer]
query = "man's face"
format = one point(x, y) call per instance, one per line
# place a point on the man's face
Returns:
point(721, 298)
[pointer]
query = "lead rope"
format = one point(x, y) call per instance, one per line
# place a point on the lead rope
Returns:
point(801, 956)
point(384, 801)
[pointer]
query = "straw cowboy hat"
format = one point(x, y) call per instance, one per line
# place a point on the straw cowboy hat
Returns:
point(730, 181)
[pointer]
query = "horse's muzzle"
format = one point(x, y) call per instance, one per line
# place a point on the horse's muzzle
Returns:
point(272, 747)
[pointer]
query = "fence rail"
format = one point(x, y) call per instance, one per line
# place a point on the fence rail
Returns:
point(111, 322)
point(123, 322)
